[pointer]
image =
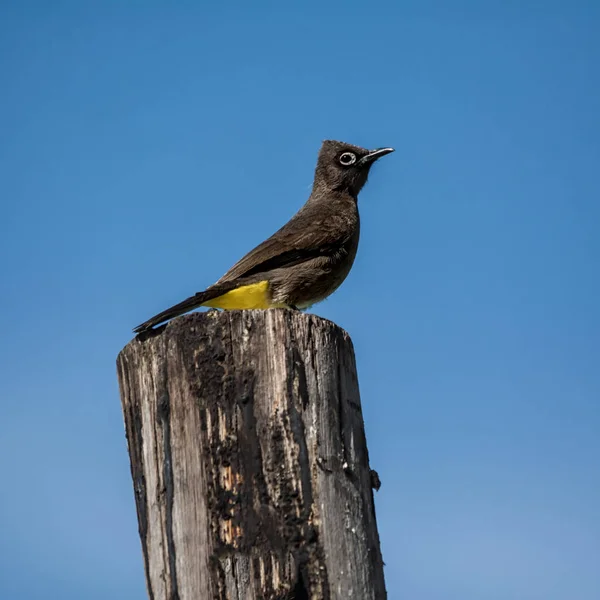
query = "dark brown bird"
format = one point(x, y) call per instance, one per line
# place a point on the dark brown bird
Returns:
point(310, 256)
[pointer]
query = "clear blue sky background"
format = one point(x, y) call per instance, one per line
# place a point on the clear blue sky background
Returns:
point(146, 146)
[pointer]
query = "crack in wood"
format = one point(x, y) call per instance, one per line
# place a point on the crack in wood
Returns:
point(163, 414)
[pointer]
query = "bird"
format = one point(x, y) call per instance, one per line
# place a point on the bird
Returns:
point(309, 257)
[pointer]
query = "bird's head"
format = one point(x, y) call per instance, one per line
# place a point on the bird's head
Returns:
point(345, 167)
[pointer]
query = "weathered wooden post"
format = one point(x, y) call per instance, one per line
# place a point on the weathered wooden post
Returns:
point(249, 459)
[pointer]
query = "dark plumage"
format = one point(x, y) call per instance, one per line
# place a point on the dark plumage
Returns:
point(311, 255)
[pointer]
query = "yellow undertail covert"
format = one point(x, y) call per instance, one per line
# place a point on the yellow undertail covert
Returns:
point(247, 297)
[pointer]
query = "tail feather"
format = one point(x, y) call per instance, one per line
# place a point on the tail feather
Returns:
point(190, 303)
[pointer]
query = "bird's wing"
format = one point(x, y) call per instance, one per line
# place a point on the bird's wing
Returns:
point(307, 235)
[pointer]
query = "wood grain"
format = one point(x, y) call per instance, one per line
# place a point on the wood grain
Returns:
point(249, 460)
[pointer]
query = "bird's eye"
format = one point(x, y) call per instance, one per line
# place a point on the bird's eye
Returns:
point(347, 159)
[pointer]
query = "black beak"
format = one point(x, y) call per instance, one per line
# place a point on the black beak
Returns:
point(374, 155)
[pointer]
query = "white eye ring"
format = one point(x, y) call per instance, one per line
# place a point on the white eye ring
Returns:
point(347, 159)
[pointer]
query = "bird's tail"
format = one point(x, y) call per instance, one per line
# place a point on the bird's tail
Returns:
point(189, 304)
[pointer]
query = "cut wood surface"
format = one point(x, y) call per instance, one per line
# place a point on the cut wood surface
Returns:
point(249, 460)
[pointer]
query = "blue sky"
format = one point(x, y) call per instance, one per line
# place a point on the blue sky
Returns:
point(147, 146)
